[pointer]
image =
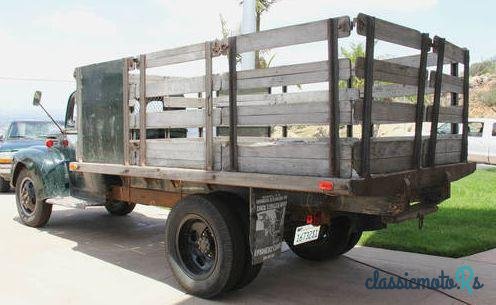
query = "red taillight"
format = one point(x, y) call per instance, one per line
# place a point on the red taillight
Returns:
point(49, 143)
point(326, 186)
point(65, 143)
point(313, 219)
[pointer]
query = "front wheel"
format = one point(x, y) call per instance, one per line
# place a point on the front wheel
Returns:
point(334, 240)
point(33, 211)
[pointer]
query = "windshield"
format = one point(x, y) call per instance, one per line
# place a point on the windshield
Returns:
point(31, 130)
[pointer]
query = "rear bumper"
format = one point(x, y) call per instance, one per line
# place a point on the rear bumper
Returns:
point(411, 183)
point(427, 187)
point(5, 171)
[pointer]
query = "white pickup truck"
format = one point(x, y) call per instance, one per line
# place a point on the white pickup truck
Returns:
point(481, 139)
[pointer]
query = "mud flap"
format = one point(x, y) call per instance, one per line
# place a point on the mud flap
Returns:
point(267, 211)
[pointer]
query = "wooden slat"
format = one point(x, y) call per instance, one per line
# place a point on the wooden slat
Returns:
point(208, 109)
point(344, 67)
point(334, 160)
point(307, 73)
point(368, 97)
point(414, 60)
point(389, 72)
point(183, 102)
point(394, 113)
point(454, 53)
point(233, 107)
point(452, 114)
point(176, 55)
point(391, 32)
point(449, 83)
point(345, 94)
point(316, 113)
point(395, 90)
point(185, 153)
point(466, 100)
point(384, 113)
point(436, 104)
point(420, 106)
point(290, 35)
point(265, 181)
point(177, 86)
point(142, 112)
point(176, 119)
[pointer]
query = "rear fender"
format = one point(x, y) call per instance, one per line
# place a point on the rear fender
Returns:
point(49, 164)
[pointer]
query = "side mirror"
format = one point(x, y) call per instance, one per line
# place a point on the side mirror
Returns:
point(37, 98)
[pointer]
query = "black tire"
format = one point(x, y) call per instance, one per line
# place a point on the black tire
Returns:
point(4, 185)
point(119, 208)
point(33, 211)
point(353, 241)
point(250, 271)
point(209, 263)
point(333, 241)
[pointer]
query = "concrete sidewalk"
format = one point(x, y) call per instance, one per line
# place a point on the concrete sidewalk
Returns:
point(89, 257)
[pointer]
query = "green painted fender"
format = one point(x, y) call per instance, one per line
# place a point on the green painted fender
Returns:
point(49, 164)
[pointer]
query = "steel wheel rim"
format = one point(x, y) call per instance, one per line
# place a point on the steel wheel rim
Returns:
point(27, 196)
point(197, 247)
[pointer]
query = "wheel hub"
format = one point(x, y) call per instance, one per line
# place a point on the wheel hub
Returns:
point(28, 196)
point(196, 246)
point(204, 244)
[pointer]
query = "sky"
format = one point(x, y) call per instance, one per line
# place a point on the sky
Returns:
point(43, 41)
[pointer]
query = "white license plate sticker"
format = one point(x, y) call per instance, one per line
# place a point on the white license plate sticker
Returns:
point(305, 234)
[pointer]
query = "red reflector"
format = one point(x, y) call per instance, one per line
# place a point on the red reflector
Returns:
point(65, 143)
point(313, 219)
point(49, 143)
point(326, 185)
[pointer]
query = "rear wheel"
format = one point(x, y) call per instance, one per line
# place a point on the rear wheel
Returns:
point(333, 241)
point(205, 245)
point(4, 185)
point(32, 211)
point(119, 208)
point(250, 271)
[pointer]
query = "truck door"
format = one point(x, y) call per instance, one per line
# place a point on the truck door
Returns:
point(478, 148)
point(492, 144)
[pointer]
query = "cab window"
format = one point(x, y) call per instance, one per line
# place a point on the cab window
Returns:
point(494, 129)
point(475, 129)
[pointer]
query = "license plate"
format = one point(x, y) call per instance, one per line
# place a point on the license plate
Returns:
point(305, 234)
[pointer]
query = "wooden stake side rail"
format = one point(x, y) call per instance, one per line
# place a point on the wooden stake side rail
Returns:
point(409, 73)
point(332, 108)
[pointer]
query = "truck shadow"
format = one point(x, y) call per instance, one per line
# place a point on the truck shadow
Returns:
point(135, 243)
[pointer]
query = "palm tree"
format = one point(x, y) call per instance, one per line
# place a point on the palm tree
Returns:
point(355, 51)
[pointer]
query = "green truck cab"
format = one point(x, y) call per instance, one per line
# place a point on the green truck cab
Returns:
point(41, 176)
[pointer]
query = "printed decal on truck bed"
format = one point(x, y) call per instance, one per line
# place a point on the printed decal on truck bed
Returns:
point(267, 210)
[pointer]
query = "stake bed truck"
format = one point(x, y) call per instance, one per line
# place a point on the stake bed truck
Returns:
point(237, 192)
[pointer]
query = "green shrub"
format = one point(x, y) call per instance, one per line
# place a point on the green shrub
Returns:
point(488, 97)
point(484, 67)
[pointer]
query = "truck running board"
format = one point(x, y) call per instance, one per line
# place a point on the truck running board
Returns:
point(73, 202)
